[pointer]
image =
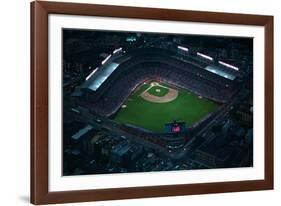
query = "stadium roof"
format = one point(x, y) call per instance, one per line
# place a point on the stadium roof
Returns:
point(220, 72)
point(81, 132)
point(99, 75)
point(102, 73)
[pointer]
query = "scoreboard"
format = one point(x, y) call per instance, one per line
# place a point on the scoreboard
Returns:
point(175, 127)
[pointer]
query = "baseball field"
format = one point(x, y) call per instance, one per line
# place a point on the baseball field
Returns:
point(154, 103)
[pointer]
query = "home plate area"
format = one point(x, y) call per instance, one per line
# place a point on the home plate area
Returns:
point(158, 93)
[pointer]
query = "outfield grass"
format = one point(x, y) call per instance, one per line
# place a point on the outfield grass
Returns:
point(187, 107)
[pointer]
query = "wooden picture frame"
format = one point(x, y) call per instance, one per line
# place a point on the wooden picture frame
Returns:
point(39, 102)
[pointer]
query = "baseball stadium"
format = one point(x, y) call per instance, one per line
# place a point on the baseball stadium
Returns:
point(138, 102)
point(158, 93)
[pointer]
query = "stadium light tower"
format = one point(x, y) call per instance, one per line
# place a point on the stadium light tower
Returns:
point(107, 58)
point(229, 65)
point(92, 73)
point(205, 56)
point(117, 50)
point(183, 48)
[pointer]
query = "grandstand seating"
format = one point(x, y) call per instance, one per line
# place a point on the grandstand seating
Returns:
point(145, 64)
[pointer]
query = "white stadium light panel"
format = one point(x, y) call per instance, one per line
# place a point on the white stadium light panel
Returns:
point(117, 50)
point(205, 56)
point(106, 59)
point(183, 48)
point(229, 65)
point(89, 76)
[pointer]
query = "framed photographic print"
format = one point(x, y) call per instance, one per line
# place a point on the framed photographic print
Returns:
point(131, 102)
